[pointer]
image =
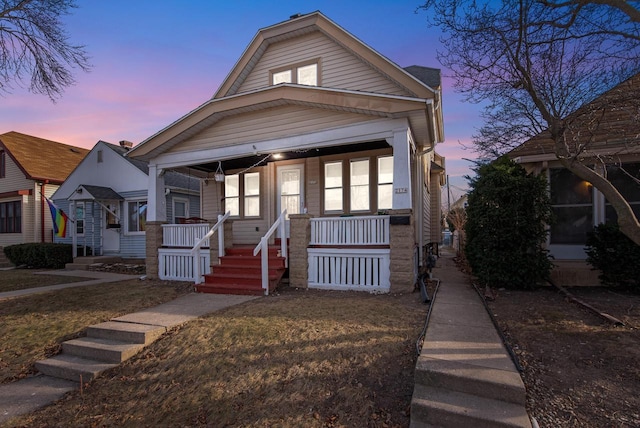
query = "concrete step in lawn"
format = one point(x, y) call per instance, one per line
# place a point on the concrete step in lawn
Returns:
point(105, 346)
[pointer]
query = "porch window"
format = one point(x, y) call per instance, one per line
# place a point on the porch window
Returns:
point(137, 216)
point(359, 178)
point(302, 74)
point(11, 217)
point(232, 194)
point(252, 194)
point(242, 194)
point(385, 182)
point(626, 178)
point(359, 185)
point(333, 186)
point(572, 205)
point(80, 218)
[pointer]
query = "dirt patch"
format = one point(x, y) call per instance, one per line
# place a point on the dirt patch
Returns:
point(579, 370)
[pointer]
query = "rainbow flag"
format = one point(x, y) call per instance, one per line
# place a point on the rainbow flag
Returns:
point(59, 218)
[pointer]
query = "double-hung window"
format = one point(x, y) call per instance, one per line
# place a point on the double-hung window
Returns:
point(11, 217)
point(333, 186)
point(572, 205)
point(385, 182)
point(242, 194)
point(136, 216)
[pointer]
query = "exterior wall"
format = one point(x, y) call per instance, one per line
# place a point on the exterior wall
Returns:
point(15, 180)
point(427, 223)
point(194, 204)
point(313, 185)
point(269, 124)
point(338, 68)
point(435, 209)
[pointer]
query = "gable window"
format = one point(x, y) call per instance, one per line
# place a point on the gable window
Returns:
point(136, 216)
point(3, 164)
point(302, 74)
point(99, 156)
point(242, 194)
point(11, 217)
point(358, 186)
point(80, 218)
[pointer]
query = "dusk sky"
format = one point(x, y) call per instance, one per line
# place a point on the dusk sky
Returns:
point(156, 60)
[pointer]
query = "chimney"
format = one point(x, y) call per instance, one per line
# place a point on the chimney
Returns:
point(126, 144)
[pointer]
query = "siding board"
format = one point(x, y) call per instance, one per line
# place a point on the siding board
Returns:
point(340, 69)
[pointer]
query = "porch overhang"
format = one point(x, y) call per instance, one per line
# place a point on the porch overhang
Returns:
point(86, 192)
point(416, 113)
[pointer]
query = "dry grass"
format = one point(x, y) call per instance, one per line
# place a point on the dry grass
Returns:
point(19, 279)
point(300, 358)
point(33, 326)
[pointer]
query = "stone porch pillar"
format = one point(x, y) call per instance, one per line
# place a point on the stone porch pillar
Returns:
point(153, 241)
point(300, 236)
point(403, 245)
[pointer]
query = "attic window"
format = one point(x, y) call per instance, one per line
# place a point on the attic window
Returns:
point(99, 156)
point(302, 74)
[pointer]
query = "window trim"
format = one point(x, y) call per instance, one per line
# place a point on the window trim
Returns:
point(242, 195)
point(294, 72)
point(77, 220)
point(186, 208)
point(17, 221)
point(128, 215)
point(346, 160)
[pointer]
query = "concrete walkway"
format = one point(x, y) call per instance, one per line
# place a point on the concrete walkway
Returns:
point(464, 374)
point(27, 395)
point(93, 278)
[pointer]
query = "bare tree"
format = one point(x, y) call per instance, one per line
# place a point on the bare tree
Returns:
point(34, 47)
point(539, 65)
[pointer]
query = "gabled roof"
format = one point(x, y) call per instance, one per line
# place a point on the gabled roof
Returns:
point(42, 159)
point(299, 25)
point(214, 110)
point(609, 124)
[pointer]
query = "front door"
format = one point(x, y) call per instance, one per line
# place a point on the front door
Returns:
point(290, 190)
point(111, 228)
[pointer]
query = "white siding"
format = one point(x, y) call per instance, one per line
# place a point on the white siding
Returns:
point(338, 67)
point(313, 188)
point(269, 124)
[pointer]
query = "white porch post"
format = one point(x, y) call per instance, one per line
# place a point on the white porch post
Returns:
point(156, 200)
point(401, 144)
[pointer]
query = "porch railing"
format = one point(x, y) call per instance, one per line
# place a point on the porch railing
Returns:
point(184, 235)
point(263, 248)
point(350, 253)
point(339, 231)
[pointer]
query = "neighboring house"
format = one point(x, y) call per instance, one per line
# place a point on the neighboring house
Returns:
point(106, 196)
point(608, 140)
point(30, 169)
point(314, 121)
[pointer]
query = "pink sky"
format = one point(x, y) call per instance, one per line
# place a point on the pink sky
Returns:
point(154, 61)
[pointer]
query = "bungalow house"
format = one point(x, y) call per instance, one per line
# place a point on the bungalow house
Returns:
point(31, 169)
point(605, 134)
point(317, 138)
point(106, 197)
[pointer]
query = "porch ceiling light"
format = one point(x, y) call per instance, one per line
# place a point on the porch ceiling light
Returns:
point(277, 155)
point(219, 174)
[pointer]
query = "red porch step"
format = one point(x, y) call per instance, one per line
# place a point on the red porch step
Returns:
point(239, 272)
